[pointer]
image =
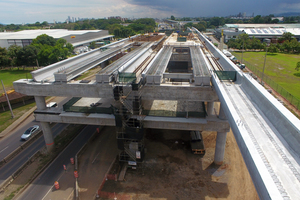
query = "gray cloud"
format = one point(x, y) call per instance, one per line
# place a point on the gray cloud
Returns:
point(24, 11)
point(202, 8)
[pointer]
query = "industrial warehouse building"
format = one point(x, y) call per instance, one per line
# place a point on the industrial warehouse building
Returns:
point(259, 31)
point(76, 38)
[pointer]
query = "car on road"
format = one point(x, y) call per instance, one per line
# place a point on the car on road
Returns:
point(29, 132)
point(51, 105)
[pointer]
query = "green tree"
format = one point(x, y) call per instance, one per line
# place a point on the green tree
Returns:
point(50, 51)
point(4, 58)
point(45, 23)
point(172, 17)
point(13, 52)
point(200, 27)
point(287, 46)
point(44, 39)
point(287, 36)
point(190, 25)
point(27, 56)
point(93, 45)
point(273, 49)
point(297, 66)
point(275, 21)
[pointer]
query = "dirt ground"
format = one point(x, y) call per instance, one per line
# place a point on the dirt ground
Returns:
point(170, 171)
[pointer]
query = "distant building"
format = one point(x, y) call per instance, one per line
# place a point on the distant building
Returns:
point(76, 38)
point(259, 31)
point(118, 17)
point(279, 18)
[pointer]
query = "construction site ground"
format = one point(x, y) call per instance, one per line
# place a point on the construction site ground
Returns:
point(170, 171)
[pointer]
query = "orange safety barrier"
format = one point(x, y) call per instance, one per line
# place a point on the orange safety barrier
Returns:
point(72, 160)
point(76, 174)
point(56, 185)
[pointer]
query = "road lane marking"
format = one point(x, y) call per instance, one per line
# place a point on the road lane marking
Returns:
point(52, 186)
point(3, 149)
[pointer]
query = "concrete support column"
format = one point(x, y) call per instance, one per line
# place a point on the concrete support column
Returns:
point(220, 148)
point(103, 65)
point(40, 102)
point(210, 108)
point(221, 113)
point(48, 136)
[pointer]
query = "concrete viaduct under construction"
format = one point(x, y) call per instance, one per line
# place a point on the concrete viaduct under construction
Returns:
point(173, 82)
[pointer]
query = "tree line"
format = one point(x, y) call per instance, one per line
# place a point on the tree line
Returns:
point(287, 43)
point(43, 51)
point(214, 22)
point(115, 26)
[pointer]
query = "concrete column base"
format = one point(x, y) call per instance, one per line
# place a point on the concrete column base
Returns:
point(220, 148)
point(48, 136)
point(210, 108)
point(222, 113)
point(103, 65)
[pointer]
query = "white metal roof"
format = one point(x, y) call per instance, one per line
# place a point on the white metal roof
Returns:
point(32, 34)
point(271, 31)
point(262, 25)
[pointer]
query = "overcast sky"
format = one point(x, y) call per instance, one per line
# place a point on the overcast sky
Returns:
point(31, 11)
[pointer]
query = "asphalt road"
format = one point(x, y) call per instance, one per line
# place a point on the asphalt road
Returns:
point(44, 183)
point(9, 168)
point(12, 141)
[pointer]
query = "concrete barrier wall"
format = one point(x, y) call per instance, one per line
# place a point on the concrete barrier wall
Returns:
point(282, 119)
point(19, 171)
point(256, 168)
point(226, 63)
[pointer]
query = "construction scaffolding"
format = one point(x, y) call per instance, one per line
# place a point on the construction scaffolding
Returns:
point(129, 121)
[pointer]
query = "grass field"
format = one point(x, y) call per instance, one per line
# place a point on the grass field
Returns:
point(5, 117)
point(9, 76)
point(279, 67)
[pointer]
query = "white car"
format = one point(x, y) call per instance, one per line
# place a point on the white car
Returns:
point(29, 132)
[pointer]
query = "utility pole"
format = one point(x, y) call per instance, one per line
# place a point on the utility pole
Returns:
point(12, 114)
point(242, 51)
point(262, 76)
